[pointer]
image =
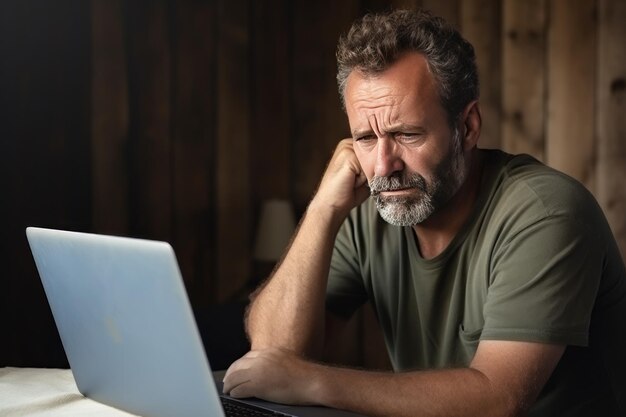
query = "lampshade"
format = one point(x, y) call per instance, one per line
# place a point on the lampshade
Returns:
point(276, 226)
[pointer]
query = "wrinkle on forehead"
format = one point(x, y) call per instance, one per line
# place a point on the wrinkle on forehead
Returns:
point(405, 94)
point(381, 119)
point(372, 93)
point(380, 106)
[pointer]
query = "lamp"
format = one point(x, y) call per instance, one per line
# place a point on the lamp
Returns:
point(276, 226)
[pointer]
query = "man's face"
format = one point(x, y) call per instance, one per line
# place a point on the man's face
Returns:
point(412, 159)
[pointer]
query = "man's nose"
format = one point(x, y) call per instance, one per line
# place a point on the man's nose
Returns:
point(388, 159)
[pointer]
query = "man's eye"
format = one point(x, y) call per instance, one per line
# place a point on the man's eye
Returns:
point(407, 137)
point(366, 138)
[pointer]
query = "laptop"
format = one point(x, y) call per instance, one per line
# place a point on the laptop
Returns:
point(128, 329)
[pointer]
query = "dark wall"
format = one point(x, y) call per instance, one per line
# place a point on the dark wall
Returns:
point(165, 119)
point(45, 161)
point(176, 119)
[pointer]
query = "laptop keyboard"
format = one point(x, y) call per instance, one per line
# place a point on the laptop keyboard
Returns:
point(237, 409)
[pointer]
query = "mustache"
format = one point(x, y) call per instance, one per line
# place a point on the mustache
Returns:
point(396, 182)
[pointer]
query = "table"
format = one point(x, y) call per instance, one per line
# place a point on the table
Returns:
point(47, 392)
point(38, 392)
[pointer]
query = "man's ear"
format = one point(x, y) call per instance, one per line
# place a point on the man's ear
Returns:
point(471, 124)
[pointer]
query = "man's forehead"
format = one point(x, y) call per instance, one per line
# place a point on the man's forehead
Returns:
point(374, 94)
point(408, 75)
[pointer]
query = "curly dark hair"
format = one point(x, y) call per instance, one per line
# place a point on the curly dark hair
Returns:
point(376, 41)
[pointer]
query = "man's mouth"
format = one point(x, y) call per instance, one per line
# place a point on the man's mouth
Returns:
point(395, 191)
point(397, 186)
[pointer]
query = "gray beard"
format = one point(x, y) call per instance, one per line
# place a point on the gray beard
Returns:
point(415, 209)
point(404, 212)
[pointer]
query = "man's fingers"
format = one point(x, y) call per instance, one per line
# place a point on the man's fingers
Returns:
point(235, 381)
point(242, 391)
point(239, 372)
point(272, 374)
point(241, 363)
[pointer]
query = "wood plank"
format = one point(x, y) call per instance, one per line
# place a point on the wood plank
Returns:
point(270, 121)
point(610, 120)
point(148, 57)
point(45, 164)
point(318, 121)
point(523, 76)
point(270, 141)
point(405, 4)
point(233, 216)
point(193, 145)
point(109, 121)
point(481, 25)
point(570, 140)
point(448, 9)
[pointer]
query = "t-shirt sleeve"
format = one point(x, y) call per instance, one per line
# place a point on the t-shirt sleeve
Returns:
point(345, 291)
point(545, 278)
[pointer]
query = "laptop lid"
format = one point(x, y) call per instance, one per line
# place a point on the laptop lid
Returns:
point(125, 322)
point(127, 327)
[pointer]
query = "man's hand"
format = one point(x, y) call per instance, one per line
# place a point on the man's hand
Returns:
point(344, 185)
point(273, 374)
point(503, 380)
point(287, 318)
point(296, 291)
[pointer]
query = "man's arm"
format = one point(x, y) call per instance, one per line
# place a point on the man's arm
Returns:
point(286, 323)
point(503, 380)
point(289, 312)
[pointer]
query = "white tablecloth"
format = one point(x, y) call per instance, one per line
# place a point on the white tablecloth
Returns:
point(46, 392)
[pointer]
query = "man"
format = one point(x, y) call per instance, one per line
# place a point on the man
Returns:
point(496, 280)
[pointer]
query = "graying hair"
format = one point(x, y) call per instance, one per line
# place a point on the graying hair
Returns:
point(376, 41)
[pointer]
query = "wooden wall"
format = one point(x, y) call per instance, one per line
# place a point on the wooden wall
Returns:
point(176, 119)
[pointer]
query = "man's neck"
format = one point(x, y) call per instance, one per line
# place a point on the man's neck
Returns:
point(435, 234)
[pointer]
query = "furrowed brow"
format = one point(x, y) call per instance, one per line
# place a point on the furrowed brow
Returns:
point(401, 127)
point(357, 133)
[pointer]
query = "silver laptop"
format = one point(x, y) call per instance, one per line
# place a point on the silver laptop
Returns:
point(128, 329)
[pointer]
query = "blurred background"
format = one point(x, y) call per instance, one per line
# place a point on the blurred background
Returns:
point(201, 122)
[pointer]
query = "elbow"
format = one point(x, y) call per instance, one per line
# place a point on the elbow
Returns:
point(500, 401)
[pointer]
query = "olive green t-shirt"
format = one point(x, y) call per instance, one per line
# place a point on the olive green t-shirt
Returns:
point(536, 261)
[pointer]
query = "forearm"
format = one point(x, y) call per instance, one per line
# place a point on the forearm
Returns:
point(452, 392)
point(504, 379)
point(289, 311)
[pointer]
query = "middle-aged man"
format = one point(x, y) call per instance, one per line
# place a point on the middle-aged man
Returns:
point(496, 280)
